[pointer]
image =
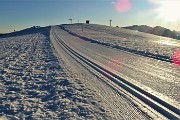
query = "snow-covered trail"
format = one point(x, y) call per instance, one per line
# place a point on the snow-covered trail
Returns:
point(120, 38)
point(35, 83)
point(94, 51)
point(40, 78)
point(116, 102)
point(160, 76)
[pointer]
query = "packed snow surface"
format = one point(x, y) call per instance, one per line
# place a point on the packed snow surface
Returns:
point(163, 77)
point(126, 38)
point(40, 79)
point(34, 83)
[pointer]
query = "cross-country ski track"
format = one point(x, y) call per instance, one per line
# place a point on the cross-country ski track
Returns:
point(88, 71)
point(163, 107)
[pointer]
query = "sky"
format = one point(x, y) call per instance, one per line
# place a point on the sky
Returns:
point(21, 14)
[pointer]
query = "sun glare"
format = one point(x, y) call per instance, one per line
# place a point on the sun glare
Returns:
point(176, 57)
point(169, 10)
point(123, 6)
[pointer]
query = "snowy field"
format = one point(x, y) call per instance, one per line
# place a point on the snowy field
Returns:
point(41, 79)
point(133, 40)
point(35, 84)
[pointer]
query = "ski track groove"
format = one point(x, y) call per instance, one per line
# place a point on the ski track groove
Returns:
point(170, 115)
point(111, 101)
point(147, 66)
point(153, 78)
point(104, 31)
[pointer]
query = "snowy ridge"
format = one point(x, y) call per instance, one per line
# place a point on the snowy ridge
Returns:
point(31, 30)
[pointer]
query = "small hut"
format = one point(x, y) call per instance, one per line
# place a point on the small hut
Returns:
point(87, 21)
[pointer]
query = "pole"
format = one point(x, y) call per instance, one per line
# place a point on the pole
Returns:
point(110, 22)
point(70, 20)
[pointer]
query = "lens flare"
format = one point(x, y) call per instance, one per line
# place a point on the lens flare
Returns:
point(167, 9)
point(123, 5)
point(176, 57)
point(115, 63)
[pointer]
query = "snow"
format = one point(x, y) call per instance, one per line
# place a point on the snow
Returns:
point(162, 77)
point(34, 83)
point(118, 105)
point(126, 38)
point(39, 79)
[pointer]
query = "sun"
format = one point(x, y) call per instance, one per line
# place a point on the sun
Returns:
point(168, 10)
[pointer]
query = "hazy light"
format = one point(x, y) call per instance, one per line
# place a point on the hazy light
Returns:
point(170, 42)
point(168, 10)
point(176, 57)
point(123, 5)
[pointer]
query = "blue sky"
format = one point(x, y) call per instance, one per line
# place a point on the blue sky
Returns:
point(20, 14)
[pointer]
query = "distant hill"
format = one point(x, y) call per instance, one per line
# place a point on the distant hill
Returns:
point(158, 30)
point(1, 34)
point(34, 29)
